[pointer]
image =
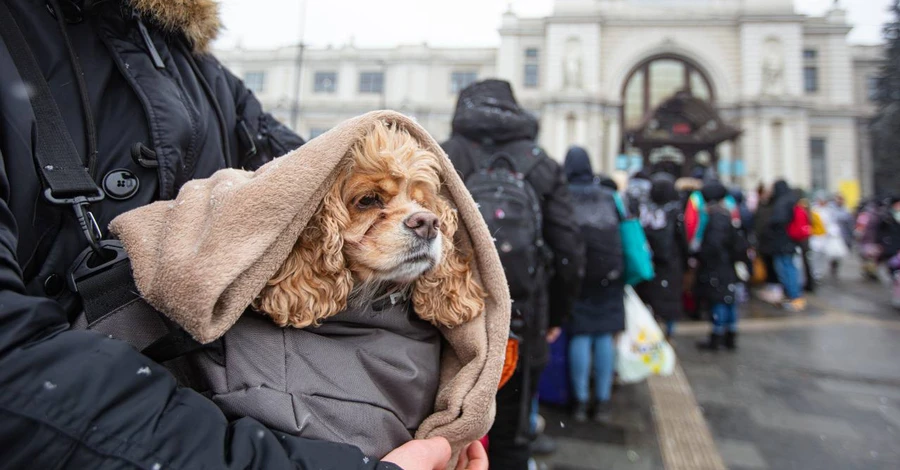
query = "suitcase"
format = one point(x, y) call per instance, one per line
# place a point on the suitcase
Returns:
point(553, 387)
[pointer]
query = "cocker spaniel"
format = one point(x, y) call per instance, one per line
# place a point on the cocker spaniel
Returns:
point(382, 228)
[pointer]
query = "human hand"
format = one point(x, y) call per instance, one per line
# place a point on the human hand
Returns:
point(424, 454)
point(553, 334)
point(473, 457)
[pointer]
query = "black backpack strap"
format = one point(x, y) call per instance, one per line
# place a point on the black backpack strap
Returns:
point(66, 180)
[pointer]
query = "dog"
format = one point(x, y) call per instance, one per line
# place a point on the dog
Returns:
point(382, 228)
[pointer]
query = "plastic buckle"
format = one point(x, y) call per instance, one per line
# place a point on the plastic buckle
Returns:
point(86, 220)
point(84, 266)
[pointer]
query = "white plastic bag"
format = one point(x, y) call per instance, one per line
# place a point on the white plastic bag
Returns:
point(642, 348)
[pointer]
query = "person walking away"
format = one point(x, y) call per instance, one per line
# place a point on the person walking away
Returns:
point(801, 230)
point(783, 247)
point(722, 246)
point(663, 222)
point(599, 311)
point(742, 207)
point(889, 241)
point(692, 204)
point(637, 192)
point(760, 237)
point(488, 122)
point(867, 223)
point(827, 244)
point(844, 219)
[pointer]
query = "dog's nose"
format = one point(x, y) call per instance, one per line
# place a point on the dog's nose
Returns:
point(425, 224)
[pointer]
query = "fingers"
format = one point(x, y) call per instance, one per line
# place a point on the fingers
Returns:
point(421, 454)
point(478, 459)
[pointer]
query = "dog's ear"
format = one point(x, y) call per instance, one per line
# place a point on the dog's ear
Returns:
point(449, 294)
point(314, 282)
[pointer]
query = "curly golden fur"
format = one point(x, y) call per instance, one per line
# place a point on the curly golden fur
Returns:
point(367, 237)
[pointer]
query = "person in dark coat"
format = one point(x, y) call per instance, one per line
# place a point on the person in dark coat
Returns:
point(717, 281)
point(746, 215)
point(782, 247)
point(663, 222)
point(888, 238)
point(599, 311)
point(147, 109)
point(488, 120)
point(760, 237)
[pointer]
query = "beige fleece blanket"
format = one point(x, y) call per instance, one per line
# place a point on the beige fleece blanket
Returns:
point(203, 258)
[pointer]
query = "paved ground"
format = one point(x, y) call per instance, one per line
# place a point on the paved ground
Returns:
point(819, 390)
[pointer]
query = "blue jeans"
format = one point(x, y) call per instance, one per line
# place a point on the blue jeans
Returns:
point(787, 275)
point(604, 356)
point(670, 328)
point(725, 318)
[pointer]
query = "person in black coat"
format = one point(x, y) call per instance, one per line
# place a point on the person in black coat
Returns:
point(717, 281)
point(489, 120)
point(599, 311)
point(888, 238)
point(147, 109)
point(781, 246)
point(663, 222)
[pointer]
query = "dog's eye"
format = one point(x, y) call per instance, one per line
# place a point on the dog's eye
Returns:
point(368, 202)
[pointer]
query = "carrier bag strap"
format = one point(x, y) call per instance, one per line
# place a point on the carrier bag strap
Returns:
point(66, 179)
point(113, 305)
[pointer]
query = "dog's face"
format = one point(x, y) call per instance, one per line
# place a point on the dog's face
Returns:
point(390, 192)
point(382, 222)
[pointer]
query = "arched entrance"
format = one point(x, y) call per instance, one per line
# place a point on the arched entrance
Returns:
point(669, 115)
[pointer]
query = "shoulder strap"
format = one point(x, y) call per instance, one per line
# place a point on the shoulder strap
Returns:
point(57, 159)
point(620, 206)
point(66, 179)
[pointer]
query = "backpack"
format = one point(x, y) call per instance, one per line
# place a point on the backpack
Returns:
point(598, 219)
point(512, 210)
point(818, 226)
point(800, 227)
point(661, 234)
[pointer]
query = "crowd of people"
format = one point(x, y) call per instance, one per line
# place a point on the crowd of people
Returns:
point(145, 97)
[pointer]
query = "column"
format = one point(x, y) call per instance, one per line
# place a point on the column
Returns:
point(559, 142)
point(765, 156)
point(791, 171)
point(612, 143)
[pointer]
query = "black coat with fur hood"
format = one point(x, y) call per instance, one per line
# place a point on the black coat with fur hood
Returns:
point(489, 117)
point(168, 112)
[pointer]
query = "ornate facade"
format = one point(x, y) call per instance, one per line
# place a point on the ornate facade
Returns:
point(596, 70)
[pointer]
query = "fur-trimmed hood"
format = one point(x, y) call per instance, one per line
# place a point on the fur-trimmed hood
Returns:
point(198, 20)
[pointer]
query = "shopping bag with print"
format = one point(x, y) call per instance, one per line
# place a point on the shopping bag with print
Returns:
point(642, 349)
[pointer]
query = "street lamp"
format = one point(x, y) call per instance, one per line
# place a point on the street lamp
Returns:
point(298, 64)
point(383, 65)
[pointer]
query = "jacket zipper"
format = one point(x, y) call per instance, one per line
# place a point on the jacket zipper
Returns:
point(154, 54)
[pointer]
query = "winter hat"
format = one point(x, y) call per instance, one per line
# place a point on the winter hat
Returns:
point(714, 191)
point(663, 191)
point(578, 166)
point(781, 188)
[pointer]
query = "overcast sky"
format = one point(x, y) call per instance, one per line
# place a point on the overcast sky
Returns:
point(379, 23)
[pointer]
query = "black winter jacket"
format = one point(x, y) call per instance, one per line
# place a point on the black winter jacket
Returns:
point(888, 234)
point(600, 306)
point(778, 242)
point(716, 277)
point(75, 399)
point(663, 222)
point(487, 114)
